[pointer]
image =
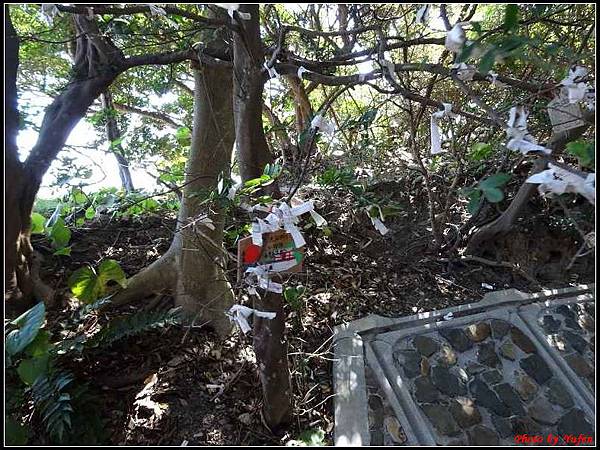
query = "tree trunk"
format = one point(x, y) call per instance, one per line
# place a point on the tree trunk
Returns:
point(202, 288)
point(192, 267)
point(113, 134)
point(252, 149)
point(269, 335)
point(96, 66)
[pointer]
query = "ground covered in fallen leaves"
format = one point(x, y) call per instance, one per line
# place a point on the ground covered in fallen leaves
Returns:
point(177, 385)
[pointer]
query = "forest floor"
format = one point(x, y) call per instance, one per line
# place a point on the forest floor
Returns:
point(178, 384)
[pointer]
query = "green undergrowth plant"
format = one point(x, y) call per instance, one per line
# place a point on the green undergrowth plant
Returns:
point(40, 384)
point(376, 205)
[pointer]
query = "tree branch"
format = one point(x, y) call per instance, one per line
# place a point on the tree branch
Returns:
point(159, 116)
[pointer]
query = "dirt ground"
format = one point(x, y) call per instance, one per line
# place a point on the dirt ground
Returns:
point(179, 384)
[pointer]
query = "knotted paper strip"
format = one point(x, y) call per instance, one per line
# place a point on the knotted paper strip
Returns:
point(456, 38)
point(240, 315)
point(519, 137)
point(556, 180)
point(436, 139)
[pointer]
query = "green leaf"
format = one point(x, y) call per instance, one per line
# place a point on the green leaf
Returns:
point(65, 251)
point(511, 17)
point(183, 135)
point(584, 151)
point(90, 213)
point(493, 195)
point(494, 181)
point(40, 345)
point(30, 369)
point(59, 235)
point(29, 324)
point(79, 197)
point(79, 222)
point(110, 270)
point(116, 142)
point(84, 284)
point(488, 60)
point(16, 433)
point(313, 437)
point(88, 286)
point(37, 223)
point(466, 52)
point(480, 151)
point(474, 201)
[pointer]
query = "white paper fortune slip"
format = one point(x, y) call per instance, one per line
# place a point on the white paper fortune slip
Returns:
point(240, 314)
point(556, 181)
point(564, 115)
point(519, 138)
point(456, 38)
point(436, 138)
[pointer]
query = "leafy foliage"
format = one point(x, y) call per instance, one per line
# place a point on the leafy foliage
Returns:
point(28, 324)
point(88, 285)
point(134, 324)
point(584, 151)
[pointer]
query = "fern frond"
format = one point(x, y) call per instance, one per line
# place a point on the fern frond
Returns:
point(135, 324)
point(52, 403)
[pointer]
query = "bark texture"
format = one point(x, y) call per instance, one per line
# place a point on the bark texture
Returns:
point(192, 267)
point(97, 63)
point(269, 335)
point(252, 149)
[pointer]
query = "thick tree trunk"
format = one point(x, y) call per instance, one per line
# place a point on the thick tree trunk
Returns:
point(97, 65)
point(252, 149)
point(113, 134)
point(192, 267)
point(202, 288)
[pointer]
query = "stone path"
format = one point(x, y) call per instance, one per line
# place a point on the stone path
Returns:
point(512, 364)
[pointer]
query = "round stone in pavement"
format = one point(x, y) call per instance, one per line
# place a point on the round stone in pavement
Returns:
point(510, 398)
point(507, 350)
point(392, 426)
point(536, 368)
point(575, 341)
point(486, 398)
point(525, 385)
point(499, 328)
point(425, 392)
point(502, 425)
point(542, 411)
point(492, 376)
point(486, 354)
point(457, 338)
point(557, 393)
point(441, 419)
point(474, 368)
point(478, 332)
point(521, 340)
point(447, 356)
point(524, 425)
point(464, 412)
point(572, 323)
point(575, 423)
point(586, 321)
point(566, 311)
point(446, 382)
point(410, 361)
point(481, 435)
point(579, 365)
point(425, 345)
point(550, 324)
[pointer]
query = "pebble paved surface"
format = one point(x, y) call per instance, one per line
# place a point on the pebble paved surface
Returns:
point(483, 383)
